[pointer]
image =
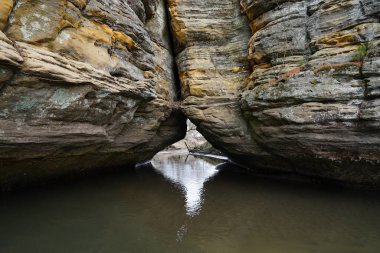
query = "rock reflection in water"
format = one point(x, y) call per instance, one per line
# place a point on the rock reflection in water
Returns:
point(138, 210)
point(188, 172)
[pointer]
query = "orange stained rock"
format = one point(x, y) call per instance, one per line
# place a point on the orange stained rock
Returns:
point(258, 57)
point(96, 13)
point(79, 3)
point(199, 91)
point(178, 25)
point(338, 40)
point(104, 34)
point(348, 37)
point(100, 33)
point(70, 18)
point(5, 9)
point(124, 39)
point(284, 76)
point(263, 66)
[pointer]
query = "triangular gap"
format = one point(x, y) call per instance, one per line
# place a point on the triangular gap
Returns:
point(194, 142)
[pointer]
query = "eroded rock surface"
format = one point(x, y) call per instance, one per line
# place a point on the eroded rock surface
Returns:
point(211, 39)
point(298, 92)
point(285, 85)
point(83, 84)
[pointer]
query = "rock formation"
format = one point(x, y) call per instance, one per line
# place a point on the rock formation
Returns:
point(83, 85)
point(278, 85)
point(298, 92)
point(211, 39)
point(313, 96)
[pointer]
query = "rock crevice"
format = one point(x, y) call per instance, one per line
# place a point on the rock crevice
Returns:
point(278, 85)
point(302, 98)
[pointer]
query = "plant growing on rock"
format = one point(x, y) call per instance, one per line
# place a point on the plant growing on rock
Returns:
point(361, 53)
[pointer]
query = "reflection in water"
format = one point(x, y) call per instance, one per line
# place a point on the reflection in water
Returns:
point(138, 210)
point(188, 172)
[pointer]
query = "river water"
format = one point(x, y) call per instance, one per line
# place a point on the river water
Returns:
point(182, 203)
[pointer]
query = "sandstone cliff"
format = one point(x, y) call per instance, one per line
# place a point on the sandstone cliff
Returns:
point(278, 85)
point(298, 92)
point(83, 84)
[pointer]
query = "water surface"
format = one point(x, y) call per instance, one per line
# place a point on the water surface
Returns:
point(183, 203)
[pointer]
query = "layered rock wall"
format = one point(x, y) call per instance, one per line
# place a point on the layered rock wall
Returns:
point(279, 85)
point(211, 39)
point(298, 92)
point(83, 84)
point(313, 96)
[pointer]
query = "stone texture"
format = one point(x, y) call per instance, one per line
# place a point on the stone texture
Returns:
point(303, 97)
point(5, 9)
point(84, 85)
point(312, 97)
point(279, 85)
point(211, 39)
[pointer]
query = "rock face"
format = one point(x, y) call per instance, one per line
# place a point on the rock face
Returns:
point(211, 38)
point(280, 85)
point(83, 84)
point(298, 92)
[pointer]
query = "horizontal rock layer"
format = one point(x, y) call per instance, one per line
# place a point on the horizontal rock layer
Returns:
point(299, 92)
point(280, 85)
point(211, 39)
point(83, 85)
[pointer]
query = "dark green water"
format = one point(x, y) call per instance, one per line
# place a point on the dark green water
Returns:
point(185, 205)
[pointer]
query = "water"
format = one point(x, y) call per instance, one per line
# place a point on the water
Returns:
point(188, 173)
point(186, 204)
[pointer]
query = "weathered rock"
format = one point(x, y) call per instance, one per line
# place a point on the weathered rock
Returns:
point(285, 85)
point(211, 39)
point(5, 9)
point(309, 94)
point(83, 85)
point(310, 102)
point(150, 7)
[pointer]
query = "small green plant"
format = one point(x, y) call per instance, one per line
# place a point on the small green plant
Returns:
point(361, 53)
